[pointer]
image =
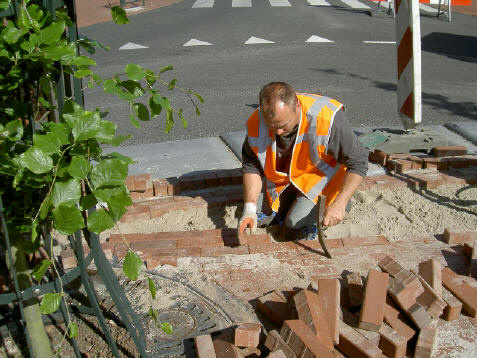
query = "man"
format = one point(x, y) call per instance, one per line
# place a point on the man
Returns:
point(297, 147)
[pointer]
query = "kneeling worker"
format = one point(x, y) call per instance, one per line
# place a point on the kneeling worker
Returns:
point(298, 146)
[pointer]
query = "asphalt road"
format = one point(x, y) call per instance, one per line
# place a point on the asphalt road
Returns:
point(229, 73)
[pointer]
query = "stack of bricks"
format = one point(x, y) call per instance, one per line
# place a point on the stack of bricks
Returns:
point(443, 158)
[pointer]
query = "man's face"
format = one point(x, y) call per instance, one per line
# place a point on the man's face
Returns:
point(284, 118)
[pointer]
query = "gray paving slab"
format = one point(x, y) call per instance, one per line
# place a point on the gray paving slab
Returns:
point(468, 130)
point(175, 158)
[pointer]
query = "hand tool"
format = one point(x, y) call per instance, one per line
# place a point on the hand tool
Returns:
point(320, 214)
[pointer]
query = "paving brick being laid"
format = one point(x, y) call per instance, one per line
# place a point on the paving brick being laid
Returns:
point(463, 290)
point(430, 271)
point(354, 284)
point(351, 343)
point(248, 335)
point(204, 346)
point(391, 342)
point(458, 236)
point(397, 320)
point(301, 339)
point(372, 309)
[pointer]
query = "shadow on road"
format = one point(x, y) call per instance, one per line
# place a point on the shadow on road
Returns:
point(457, 47)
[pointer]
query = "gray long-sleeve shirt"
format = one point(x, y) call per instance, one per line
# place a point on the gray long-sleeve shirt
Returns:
point(343, 145)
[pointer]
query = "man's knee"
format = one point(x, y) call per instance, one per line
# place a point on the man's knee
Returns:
point(294, 221)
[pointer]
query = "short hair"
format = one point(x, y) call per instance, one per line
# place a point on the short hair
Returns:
point(274, 91)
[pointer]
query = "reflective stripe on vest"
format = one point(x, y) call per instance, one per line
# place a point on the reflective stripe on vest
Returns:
point(312, 171)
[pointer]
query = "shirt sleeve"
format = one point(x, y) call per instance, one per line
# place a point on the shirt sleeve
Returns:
point(345, 146)
point(250, 162)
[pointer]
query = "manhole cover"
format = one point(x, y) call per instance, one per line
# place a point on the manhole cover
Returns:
point(183, 325)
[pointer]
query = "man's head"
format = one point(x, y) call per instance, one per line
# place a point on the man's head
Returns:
point(280, 107)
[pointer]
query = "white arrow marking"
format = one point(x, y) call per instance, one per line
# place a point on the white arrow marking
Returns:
point(132, 46)
point(255, 40)
point(195, 42)
point(315, 38)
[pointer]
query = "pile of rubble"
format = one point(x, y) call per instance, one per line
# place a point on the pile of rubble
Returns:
point(394, 313)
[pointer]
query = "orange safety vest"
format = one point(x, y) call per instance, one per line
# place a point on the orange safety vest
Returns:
point(312, 170)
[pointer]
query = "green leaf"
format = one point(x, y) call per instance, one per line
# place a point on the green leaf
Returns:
point(152, 287)
point(135, 72)
point(36, 160)
point(153, 314)
point(82, 61)
point(62, 51)
point(199, 97)
point(117, 199)
point(106, 131)
point(133, 87)
point(99, 220)
point(60, 130)
point(167, 68)
point(48, 143)
point(166, 327)
point(73, 330)
point(52, 34)
point(119, 139)
point(132, 265)
point(155, 108)
point(150, 78)
point(66, 192)
point(14, 129)
point(109, 172)
point(134, 121)
point(11, 34)
point(119, 15)
point(67, 219)
point(169, 120)
point(4, 4)
point(84, 124)
point(45, 206)
point(121, 157)
point(82, 73)
point(197, 111)
point(181, 116)
point(50, 303)
point(141, 111)
point(79, 167)
point(111, 86)
point(40, 269)
point(172, 84)
point(88, 201)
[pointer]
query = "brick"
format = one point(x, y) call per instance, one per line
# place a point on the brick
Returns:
point(405, 295)
point(329, 294)
point(135, 196)
point(392, 343)
point(201, 242)
point(223, 177)
point(417, 163)
point(467, 249)
point(430, 271)
point(301, 339)
point(236, 176)
point(136, 213)
point(277, 354)
point(452, 179)
point(394, 318)
point(251, 352)
point(113, 238)
point(378, 156)
point(274, 305)
point(425, 341)
point(355, 288)
point(453, 305)
point(225, 349)
point(462, 290)
point(275, 342)
point(460, 162)
point(371, 315)
point(473, 261)
point(310, 310)
point(447, 151)
point(352, 320)
point(364, 241)
point(173, 186)
point(245, 239)
point(248, 335)
point(225, 250)
point(204, 346)
point(160, 187)
point(353, 344)
point(419, 316)
point(431, 180)
point(458, 236)
point(431, 301)
point(210, 179)
point(190, 182)
point(431, 163)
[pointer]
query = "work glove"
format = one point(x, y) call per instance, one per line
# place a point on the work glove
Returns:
point(249, 218)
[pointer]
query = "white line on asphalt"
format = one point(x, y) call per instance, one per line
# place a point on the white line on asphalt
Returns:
point(256, 40)
point(428, 8)
point(355, 4)
point(132, 46)
point(318, 3)
point(279, 3)
point(379, 42)
point(241, 3)
point(203, 3)
point(134, 9)
point(195, 42)
point(315, 38)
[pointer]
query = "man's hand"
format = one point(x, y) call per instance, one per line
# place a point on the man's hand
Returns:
point(249, 218)
point(334, 213)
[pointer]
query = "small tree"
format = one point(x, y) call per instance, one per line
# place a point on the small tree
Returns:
point(52, 167)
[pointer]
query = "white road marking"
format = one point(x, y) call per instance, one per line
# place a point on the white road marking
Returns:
point(203, 3)
point(379, 42)
point(279, 3)
point(427, 8)
point(241, 3)
point(134, 9)
point(355, 4)
point(132, 46)
point(315, 38)
point(256, 40)
point(318, 3)
point(195, 42)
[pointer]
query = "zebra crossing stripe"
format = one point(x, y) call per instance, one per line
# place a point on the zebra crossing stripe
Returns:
point(315, 38)
point(279, 3)
point(203, 3)
point(195, 42)
point(256, 40)
point(355, 4)
point(318, 3)
point(241, 3)
point(132, 46)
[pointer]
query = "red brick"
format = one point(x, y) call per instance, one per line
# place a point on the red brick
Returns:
point(403, 165)
point(352, 320)
point(371, 315)
point(452, 179)
point(392, 343)
point(274, 305)
point(192, 182)
point(245, 239)
point(419, 316)
point(462, 290)
point(136, 213)
point(353, 344)
point(453, 307)
point(467, 249)
point(156, 261)
point(310, 310)
point(387, 184)
point(431, 163)
point(431, 301)
point(447, 151)
point(204, 346)
point(277, 354)
point(314, 245)
point(460, 162)
point(301, 339)
point(225, 349)
point(158, 210)
point(275, 342)
point(417, 163)
point(378, 156)
point(248, 335)
point(355, 289)
point(430, 271)
point(364, 241)
point(226, 250)
point(223, 177)
point(201, 242)
point(458, 236)
point(129, 183)
point(150, 246)
point(210, 179)
point(405, 295)
point(173, 186)
point(329, 294)
point(132, 237)
point(425, 341)
point(236, 176)
point(397, 321)
point(136, 196)
point(431, 180)
point(272, 247)
point(160, 187)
